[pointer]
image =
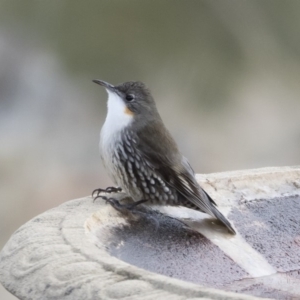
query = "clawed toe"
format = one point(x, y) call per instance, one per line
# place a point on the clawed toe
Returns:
point(113, 202)
point(97, 192)
point(98, 196)
point(111, 189)
point(116, 204)
point(125, 208)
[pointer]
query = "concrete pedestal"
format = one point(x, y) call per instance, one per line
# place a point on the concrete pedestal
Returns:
point(87, 250)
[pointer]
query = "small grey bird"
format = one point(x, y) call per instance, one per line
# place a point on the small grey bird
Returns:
point(142, 158)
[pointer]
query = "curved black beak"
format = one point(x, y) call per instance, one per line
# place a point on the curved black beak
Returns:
point(105, 84)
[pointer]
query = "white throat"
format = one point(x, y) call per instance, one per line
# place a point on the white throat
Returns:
point(117, 118)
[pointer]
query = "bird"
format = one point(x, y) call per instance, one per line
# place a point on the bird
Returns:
point(142, 158)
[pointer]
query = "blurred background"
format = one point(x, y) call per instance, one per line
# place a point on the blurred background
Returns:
point(225, 76)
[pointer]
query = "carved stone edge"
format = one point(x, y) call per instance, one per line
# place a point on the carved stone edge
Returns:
point(52, 257)
point(236, 187)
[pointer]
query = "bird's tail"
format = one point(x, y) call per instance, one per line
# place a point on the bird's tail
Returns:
point(223, 219)
point(214, 212)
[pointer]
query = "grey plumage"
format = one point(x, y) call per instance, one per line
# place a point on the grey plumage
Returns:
point(144, 160)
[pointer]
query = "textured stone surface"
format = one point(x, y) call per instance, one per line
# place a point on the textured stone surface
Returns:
point(61, 253)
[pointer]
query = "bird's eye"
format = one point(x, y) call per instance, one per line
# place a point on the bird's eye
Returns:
point(129, 97)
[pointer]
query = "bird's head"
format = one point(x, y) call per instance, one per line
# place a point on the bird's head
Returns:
point(130, 100)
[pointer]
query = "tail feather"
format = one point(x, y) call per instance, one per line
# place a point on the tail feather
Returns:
point(216, 213)
point(213, 211)
point(223, 219)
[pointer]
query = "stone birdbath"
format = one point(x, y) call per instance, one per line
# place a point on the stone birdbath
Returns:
point(87, 250)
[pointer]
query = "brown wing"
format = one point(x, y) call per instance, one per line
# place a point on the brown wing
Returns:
point(161, 153)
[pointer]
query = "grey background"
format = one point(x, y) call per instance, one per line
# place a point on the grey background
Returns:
point(225, 76)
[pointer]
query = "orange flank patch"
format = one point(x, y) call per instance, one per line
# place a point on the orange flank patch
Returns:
point(127, 111)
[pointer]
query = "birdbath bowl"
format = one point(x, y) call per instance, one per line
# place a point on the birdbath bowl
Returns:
point(88, 250)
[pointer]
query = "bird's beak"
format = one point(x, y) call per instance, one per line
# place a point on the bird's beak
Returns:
point(107, 85)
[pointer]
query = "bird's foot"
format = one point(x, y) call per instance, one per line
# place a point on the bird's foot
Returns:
point(111, 189)
point(124, 208)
